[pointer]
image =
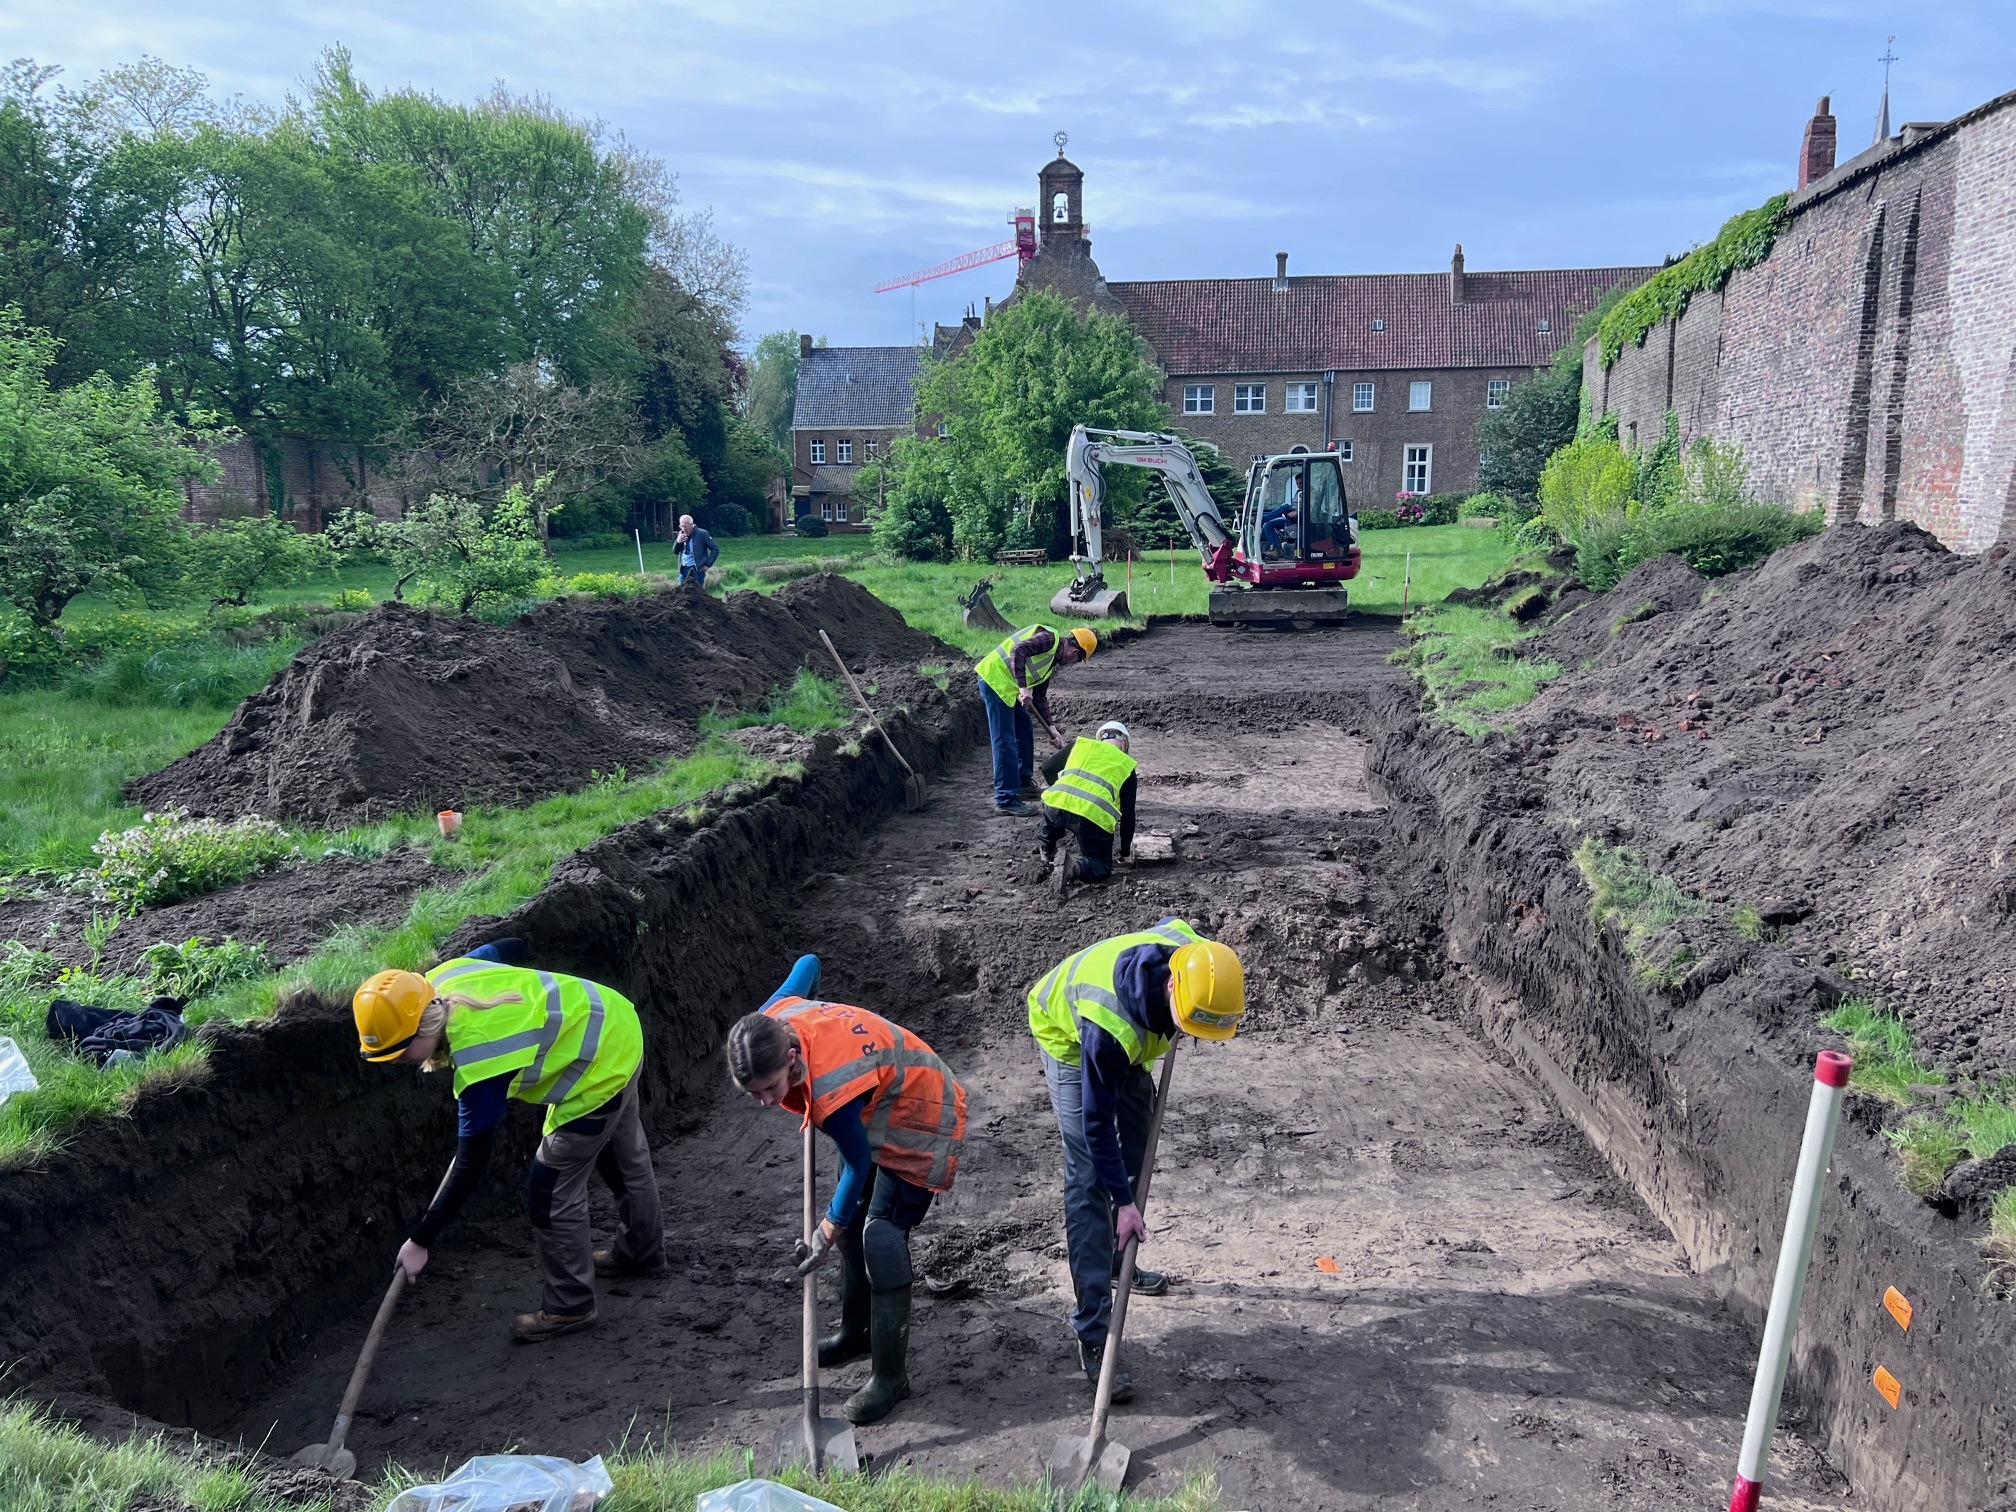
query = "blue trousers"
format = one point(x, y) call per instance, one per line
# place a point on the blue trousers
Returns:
point(1012, 734)
point(1088, 1208)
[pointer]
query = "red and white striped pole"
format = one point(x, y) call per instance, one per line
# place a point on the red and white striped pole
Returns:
point(1802, 1217)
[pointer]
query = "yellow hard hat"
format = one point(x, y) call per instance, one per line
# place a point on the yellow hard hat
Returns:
point(1207, 989)
point(387, 1009)
point(1088, 641)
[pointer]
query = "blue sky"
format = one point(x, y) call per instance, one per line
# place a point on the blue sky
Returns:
point(842, 144)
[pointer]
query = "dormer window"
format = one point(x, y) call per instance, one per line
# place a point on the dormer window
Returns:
point(1546, 326)
point(1378, 325)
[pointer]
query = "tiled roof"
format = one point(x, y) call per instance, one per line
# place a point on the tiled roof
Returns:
point(1246, 325)
point(856, 387)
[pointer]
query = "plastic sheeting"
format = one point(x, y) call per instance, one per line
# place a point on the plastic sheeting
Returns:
point(760, 1496)
point(512, 1483)
point(14, 1073)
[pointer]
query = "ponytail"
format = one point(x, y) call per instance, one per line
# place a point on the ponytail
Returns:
point(434, 1020)
point(758, 1046)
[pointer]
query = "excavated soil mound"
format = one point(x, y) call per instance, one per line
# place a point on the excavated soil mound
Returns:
point(1830, 739)
point(412, 709)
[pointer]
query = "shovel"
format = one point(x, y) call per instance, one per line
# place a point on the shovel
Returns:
point(1093, 1456)
point(913, 785)
point(822, 1443)
point(332, 1457)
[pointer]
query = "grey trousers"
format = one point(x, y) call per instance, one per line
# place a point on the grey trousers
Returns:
point(610, 1143)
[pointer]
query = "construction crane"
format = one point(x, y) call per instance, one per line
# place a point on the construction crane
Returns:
point(1022, 246)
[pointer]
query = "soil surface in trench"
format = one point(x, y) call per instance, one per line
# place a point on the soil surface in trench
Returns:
point(1401, 1280)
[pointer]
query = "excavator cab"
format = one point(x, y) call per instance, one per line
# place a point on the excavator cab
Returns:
point(1297, 544)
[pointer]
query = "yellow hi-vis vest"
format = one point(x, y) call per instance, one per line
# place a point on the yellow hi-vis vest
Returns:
point(1081, 987)
point(993, 667)
point(1090, 783)
point(573, 1043)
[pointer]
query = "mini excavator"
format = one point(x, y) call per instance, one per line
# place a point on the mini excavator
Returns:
point(1296, 543)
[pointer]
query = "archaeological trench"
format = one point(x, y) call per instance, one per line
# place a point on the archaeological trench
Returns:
point(1475, 1211)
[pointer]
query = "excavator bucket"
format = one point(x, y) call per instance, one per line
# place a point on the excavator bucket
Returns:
point(1292, 608)
point(978, 611)
point(1090, 598)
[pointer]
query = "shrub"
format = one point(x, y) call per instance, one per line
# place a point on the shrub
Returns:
point(611, 586)
point(1585, 481)
point(1713, 539)
point(169, 856)
point(194, 674)
point(1440, 508)
point(812, 527)
point(196, 968)
point(1379, 519)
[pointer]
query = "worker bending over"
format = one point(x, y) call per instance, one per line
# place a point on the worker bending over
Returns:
point(1014, 680)
point(1101, 1017)
point(1091, 793)
point(898, 1116)
point(562, 1041)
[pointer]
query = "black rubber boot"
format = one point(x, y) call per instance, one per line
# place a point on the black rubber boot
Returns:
point(851, 1342)
point(890, 1350)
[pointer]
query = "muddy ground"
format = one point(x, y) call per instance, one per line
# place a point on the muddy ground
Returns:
point(1505, 1327)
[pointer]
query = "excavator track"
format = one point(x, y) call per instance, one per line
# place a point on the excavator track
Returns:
point(1295, 608)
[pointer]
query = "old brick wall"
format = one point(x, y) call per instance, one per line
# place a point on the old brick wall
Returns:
point(316, 480)
point(1868, 366)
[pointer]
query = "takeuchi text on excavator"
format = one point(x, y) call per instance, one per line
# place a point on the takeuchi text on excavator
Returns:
point(1286, 561)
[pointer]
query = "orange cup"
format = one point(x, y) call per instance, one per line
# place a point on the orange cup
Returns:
point(450, 821)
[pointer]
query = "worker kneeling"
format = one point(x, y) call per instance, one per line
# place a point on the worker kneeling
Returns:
point(1092, 794)
point(538, 1036)
point(1101, 1017)
point(898, 1116)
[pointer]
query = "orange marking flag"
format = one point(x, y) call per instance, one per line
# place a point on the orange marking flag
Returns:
point(1326, 1264)
point(1887, 1386)
point(1899, 1306)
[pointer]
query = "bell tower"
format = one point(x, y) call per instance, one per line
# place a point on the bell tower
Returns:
point(1060, 205)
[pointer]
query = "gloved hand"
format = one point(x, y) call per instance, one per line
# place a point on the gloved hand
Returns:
point(807, 1257)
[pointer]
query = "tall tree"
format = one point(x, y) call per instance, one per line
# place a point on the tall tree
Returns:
point(773, 386)
point(1008, 403)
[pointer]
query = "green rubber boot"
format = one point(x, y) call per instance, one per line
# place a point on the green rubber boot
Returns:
point(890, 1341)
point(851, 1342)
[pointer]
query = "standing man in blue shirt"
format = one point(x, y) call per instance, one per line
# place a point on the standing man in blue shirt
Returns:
point(697, 552)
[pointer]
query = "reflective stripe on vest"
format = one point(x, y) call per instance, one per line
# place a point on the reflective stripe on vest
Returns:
point(1090, 783)
point(994, 669)
point(916, 1115)
point(574, 1043)
point(1082, 987)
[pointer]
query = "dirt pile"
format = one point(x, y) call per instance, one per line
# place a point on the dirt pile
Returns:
point(412, 709)
point(1830, 739)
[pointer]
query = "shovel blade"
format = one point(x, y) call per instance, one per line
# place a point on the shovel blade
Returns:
point(829, 1446)
point(1111, 1471)
point(915, 794)
point(1071, 1461)
point(342, 1465)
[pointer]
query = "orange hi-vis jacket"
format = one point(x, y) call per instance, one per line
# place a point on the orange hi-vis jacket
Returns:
point(916, 1114)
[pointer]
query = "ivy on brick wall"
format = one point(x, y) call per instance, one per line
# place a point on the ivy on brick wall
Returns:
point(1743, 242)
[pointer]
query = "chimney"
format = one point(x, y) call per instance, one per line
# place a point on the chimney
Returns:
point(804, 345)
point(1816, 150)
point(1280, 270)
point(1456, 276)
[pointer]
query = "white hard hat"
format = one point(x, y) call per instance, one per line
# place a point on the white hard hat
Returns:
point(1111, 728)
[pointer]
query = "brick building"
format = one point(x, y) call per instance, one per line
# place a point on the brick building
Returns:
point(1868, 365)
point(1394, 369)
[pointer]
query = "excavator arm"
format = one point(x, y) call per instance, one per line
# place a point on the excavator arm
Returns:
point(1090, 452)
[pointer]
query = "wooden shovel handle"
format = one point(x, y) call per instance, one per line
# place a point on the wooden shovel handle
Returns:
point(867, 706)
point(364, 1357)
point(1110, 1362)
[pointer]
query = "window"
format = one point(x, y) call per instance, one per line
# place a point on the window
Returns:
point(1378, 325)
point(846, 451)
point(1361, 397)
point(1495, 392)
point(872, 446)
point(1418, 475)
point(944, 431)
point(1344, 451)
point(1545, 326)
point(1301, 399)
point(1249, 398)
point(1199, 399)
point(1420, 396)
point(818, 452)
